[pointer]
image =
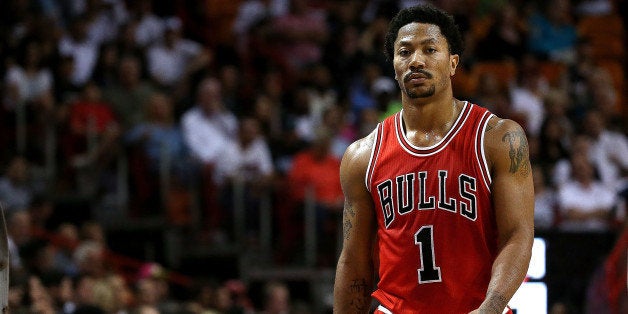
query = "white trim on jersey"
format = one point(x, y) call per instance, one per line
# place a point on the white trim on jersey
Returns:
point(486, 174)
point(376, 145)
point(449, 136)
point(382, 309)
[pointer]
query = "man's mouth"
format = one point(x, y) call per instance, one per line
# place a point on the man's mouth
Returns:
point(417, 76)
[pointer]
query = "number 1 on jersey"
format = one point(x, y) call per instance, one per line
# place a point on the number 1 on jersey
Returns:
point(428, 272)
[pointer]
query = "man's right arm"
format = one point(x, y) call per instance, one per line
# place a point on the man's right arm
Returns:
point(354, 272)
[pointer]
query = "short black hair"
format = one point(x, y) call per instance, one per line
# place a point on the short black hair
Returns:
point(427, 14)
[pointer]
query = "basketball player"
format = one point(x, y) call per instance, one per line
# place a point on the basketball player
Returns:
point(439, 197)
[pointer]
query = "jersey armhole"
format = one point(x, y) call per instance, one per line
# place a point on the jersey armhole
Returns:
point(480, 151)
point(374, 154)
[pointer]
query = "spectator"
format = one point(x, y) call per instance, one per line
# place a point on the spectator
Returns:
point(83, 50)
point(578, 75)
point(238, 291)
point(608, 151)
point(94, 232)
point(17, 291)
point(506, 38)
point(557, 105)
point(234, 90)
point(153, 289)
point(594, 7)
point(67, 236)
point(344, 55)
point(544, 201)
point(300, 118)
point(16, 189)
point(315, 173)
point(92, 127)
point(385, 91)
point(320, 93)
point(208, 125)
point(584, 203)
point(84, 300)
point(127, 44)
point(342, 134)
point(160, 139)
point(29, 99)
point(88, 141)
point(269, 107)
point(172, 61)
point(248, 165)
point(65, 91)
point(160, 164)
point(104, 18)
point(41, 209)
point(123, 296)
point(527, 94)
point(276, 298)
point(207, 129)
point(106, 68)
point(29, 82)
point(554, 140)
point(148, 27)
point(40, 300)
point(360, 93)
point(19, 237)
point(249, 159)
point(561, 169)
point(492, 94)
point(604, 96)
point(251, 13)
point(212, 298)
point(128, 94)
point(301, 33)
point(553, 33)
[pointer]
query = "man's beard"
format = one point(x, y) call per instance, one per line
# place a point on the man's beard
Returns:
point(415, 95)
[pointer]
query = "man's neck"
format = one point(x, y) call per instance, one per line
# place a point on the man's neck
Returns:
point(426, 123)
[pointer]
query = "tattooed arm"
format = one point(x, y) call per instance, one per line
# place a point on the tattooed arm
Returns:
point(513, 199)
point(354, 272)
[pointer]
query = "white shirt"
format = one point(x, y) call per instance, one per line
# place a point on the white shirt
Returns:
point(248, 163)
point(85, 55)
point(609, 152)
point(29, 87)
point(319, 102)
point(168, 65)
point(149, 29)
point(573, 195)
point(207, 137)
point(544, 204)
point(524, 101)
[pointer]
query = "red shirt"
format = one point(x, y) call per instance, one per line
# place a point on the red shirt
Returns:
point(323, 175)
point(83, 113)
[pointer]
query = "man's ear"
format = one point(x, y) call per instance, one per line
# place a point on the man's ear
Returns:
point(453, 64)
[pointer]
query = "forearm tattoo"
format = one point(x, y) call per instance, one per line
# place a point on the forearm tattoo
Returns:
point(496, 304)
point(518, 152)
point(347, 217)
point(360, 295)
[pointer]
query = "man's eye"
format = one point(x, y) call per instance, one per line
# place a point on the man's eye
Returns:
point(431, 50)
point(404, 53)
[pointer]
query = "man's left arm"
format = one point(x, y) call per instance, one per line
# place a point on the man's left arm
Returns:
point(513, 199)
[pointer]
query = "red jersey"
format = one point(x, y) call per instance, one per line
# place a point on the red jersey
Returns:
point(436, 236)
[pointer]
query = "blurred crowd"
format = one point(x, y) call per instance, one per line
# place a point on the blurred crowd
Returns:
point(202, 100)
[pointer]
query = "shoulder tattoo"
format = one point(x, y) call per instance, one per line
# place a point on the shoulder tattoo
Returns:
point(518, 152)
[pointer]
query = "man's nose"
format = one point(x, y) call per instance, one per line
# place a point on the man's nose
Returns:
point(417, 61)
